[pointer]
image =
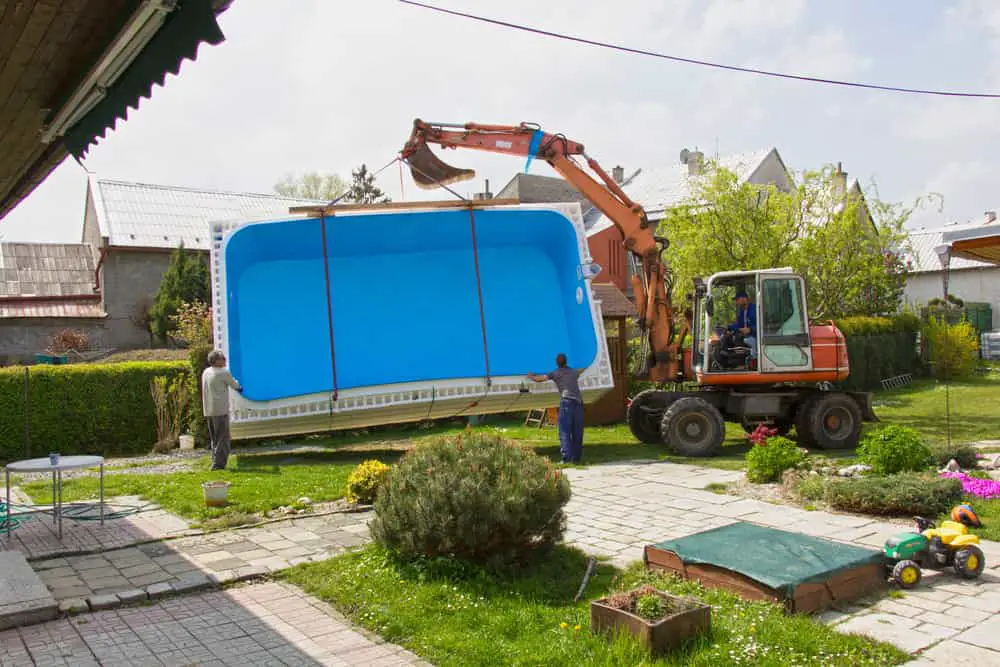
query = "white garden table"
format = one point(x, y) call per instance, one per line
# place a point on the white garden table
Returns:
point(46, 465)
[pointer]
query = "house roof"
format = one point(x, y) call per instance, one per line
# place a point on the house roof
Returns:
point(140, 215)
point(923, 257)
point(980, 243)
point(48, 280)
point(535, 189)
point(613, 302)
point(71, 70)
point(657, 189)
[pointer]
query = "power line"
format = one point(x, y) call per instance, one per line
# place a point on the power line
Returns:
point(704, 63)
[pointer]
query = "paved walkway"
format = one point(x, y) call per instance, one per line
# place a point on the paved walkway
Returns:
point(261, 624)
point(617, 509)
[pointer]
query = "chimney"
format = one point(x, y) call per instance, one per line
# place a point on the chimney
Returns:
point(484, 195)
point(840, 181)
point(989, 216)
point(618, 173)
point(695, 160)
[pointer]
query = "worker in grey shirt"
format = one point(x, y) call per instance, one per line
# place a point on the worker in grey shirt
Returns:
point(570, 408)
point(215, 383)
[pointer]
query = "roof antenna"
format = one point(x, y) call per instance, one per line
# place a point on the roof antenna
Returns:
point(716, 148)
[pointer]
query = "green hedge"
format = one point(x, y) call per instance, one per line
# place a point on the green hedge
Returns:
point(880, 348)
point(102, 409)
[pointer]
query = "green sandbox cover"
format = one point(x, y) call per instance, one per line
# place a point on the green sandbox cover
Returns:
point(775, 558)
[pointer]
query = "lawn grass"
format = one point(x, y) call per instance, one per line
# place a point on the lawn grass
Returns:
point(259, 482)
point(464, 616)
point(988, 512)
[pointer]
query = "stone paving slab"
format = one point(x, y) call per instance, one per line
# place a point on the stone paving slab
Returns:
point(132, 574)
point(24, 599)
point(260, 624)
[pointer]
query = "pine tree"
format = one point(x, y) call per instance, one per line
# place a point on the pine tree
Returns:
point(363, 189)
point(186, 280)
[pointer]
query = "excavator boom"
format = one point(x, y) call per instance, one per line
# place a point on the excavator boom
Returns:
point(528, 140)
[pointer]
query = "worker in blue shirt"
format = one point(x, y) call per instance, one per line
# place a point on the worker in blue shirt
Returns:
point(746, 322)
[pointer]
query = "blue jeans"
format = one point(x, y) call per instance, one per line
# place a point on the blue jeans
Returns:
point(570, 430)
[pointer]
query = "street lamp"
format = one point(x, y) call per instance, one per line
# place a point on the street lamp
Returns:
point(943, 252)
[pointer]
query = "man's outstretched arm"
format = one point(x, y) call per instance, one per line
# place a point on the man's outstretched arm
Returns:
point(538, 378)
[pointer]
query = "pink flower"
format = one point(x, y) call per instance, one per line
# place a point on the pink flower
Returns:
point(981, 488)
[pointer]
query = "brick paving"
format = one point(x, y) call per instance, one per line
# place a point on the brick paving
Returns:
point(617, 509)
point(260, 624)
point(148, 570)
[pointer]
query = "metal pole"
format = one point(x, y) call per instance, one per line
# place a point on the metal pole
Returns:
point(27, 414)
point(102, 492)
point(947, 325)
point(9, 518)
point(60, 503)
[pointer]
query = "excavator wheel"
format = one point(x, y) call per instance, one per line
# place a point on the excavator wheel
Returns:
point(832, 421)
point(644, 414)
point(801, 421)
point(692, 426)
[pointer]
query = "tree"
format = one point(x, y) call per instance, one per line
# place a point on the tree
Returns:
point(363, 189)
point(312, 185)
point(186, 280)
point(847, 247)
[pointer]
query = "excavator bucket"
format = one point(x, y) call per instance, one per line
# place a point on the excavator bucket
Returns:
point(430, 172)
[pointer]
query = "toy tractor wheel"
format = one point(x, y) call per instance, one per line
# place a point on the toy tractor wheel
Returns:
point(969, 562)
point(645, 412)
point(832, 421)
point(692, 426)
point(906, 573)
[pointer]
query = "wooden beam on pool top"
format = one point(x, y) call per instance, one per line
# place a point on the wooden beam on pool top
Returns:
point(472, 203)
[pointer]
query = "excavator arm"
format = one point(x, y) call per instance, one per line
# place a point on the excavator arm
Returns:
point(656, 314)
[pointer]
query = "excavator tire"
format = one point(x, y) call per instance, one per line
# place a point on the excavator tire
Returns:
point(832, 421)
point(644, 414)
point(692, 426)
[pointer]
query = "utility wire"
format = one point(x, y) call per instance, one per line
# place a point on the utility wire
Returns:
point(704, 63)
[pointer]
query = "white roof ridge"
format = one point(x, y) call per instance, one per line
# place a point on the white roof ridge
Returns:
point(185, 188)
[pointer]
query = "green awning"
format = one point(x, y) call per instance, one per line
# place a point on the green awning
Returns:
point(183, 31)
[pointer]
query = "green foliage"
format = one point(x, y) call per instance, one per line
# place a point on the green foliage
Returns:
point(894, 449)
point(364, 482)
point(905, 494)
point(192, 324)
point(186, 280)
point(811, 487)
point(476, 497)
point(966, 456)
point(171, 398)
point(766, 461)
point(954, 349)
point(649, 606)
point(363, 189)
point(844, 244)
point(312, 185)
point(198, 362)
point(860, 325)
point(81, 408)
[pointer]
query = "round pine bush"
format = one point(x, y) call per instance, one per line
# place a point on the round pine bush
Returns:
point(767, 460)
point(364, 481)
point(475, 497)
point(894, 449)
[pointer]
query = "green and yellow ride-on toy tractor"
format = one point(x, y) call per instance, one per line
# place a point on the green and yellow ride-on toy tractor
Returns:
point(930, 547)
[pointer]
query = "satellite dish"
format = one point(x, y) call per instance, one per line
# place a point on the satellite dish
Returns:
point(685, 153)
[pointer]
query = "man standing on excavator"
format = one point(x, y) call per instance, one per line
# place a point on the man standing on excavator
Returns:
point(570, 408)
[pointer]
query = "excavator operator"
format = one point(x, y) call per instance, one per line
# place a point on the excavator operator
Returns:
point(746, 322)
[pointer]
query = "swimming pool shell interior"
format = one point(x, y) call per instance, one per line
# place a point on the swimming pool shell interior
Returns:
point(404, 299)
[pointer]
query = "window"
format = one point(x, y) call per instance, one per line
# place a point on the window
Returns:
point(784, 329)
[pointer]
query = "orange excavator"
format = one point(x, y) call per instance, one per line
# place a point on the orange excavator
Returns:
point(776, 370)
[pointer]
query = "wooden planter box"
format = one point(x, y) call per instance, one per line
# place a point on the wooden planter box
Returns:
point(659, 636)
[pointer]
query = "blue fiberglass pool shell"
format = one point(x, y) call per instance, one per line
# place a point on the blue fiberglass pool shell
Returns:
point(404, 299)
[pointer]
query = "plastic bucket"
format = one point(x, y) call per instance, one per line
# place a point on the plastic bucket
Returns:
point(187, 442)
point(216, 493)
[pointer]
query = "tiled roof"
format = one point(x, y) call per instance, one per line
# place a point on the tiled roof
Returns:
point(613, 302)
point(139, 215)
point(923, 257)
point(46, 269)
point(67, 309)
point(657, 189)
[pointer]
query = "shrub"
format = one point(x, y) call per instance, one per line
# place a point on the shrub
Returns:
point(967, 456)
point(894, 449)
point(476, 497)
point(170, 400)
point(198, 361)
point(649, 606)
point(766, 461)
point(81, 408)
point(811, 487)
point(68, 340)
point(364, 481)
point(954, 349)
point(192, 323)
point(905, 494)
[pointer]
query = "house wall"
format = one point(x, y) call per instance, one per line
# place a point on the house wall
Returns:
point(981, 285)
point(22, 338)
point(130, 279)
point(771, 170)
point(607, 250)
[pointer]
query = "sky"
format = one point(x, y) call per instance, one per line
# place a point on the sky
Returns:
point(325, 85)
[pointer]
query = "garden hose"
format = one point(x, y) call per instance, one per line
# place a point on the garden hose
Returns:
point(5, 518)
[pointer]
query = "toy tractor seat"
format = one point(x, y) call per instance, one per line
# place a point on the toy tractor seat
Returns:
point(952, 533)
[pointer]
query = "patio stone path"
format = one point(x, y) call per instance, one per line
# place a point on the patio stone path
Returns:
point(617, 509)
point(260, 624)
point(152, 570)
